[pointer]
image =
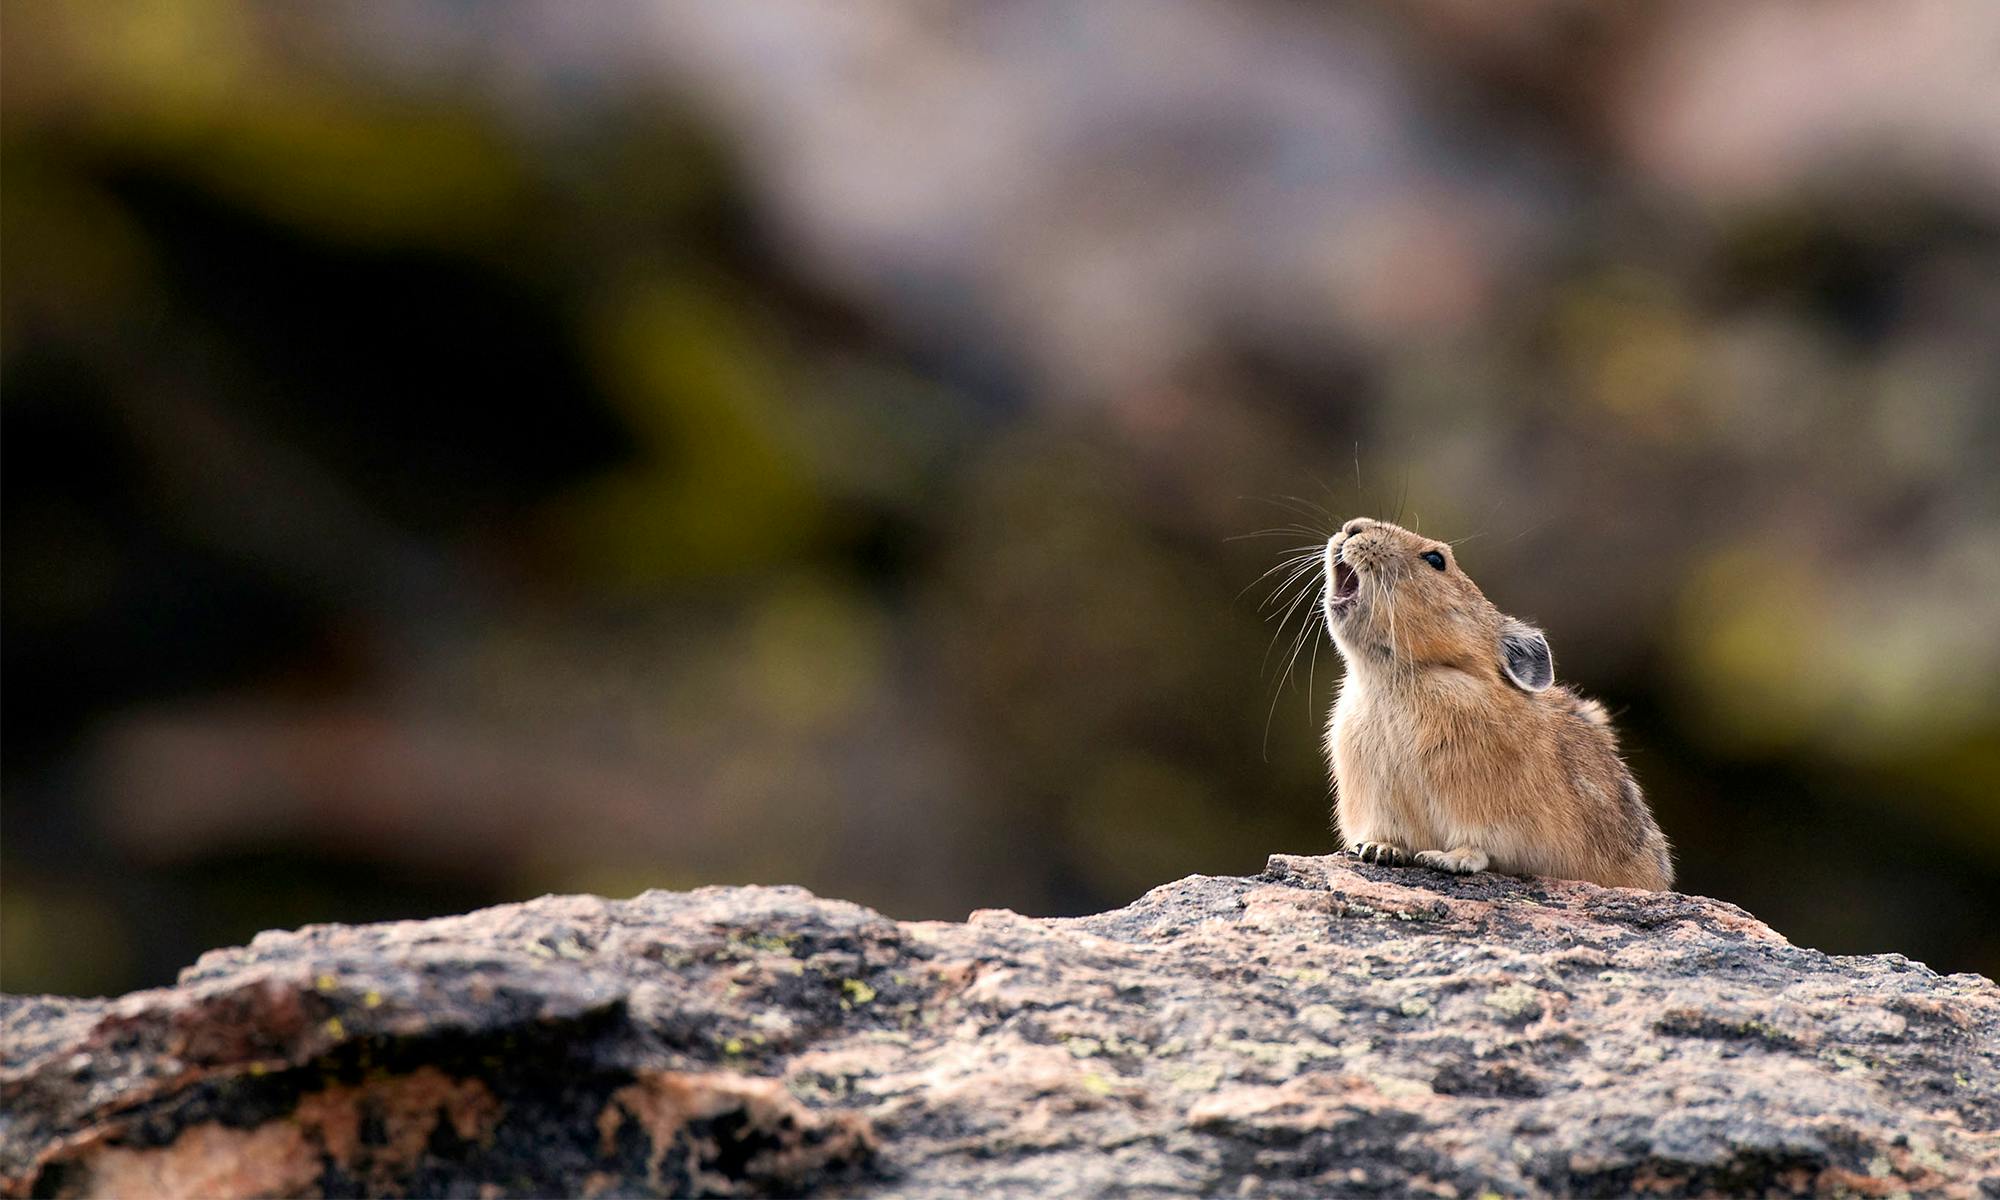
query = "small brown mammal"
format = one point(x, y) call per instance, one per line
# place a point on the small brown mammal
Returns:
point(1452, 745)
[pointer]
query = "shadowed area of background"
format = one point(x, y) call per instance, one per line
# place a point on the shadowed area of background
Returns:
point(598, 447)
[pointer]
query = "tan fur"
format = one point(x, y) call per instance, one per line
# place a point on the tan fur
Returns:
point(1439, 755)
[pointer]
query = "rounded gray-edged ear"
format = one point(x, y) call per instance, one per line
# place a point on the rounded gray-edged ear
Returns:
point(1524, 656)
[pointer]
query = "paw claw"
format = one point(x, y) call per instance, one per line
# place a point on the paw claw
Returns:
point(1381, 854)
point(1454, 862)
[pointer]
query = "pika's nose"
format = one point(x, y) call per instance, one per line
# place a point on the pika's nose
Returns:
point(1356, 526)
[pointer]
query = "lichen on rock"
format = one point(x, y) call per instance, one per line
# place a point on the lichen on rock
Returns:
point(1323, 1027)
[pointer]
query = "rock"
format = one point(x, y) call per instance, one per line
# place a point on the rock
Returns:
point(1324, 1027)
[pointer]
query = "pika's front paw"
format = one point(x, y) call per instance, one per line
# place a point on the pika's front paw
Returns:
point(1386, 854)
point(1462, 861)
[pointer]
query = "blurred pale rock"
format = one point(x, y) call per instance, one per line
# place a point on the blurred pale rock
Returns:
point(1320, 1028)
point(1741, 103)
point(1100, 188)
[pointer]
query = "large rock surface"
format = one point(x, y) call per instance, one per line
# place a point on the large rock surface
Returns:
point(1325, 1027)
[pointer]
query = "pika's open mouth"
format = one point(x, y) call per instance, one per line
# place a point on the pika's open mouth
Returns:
point(1346, 584)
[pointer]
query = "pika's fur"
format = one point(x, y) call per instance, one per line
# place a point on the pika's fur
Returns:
point(1451, 744)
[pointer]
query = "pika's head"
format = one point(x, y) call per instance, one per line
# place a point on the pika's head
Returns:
point(1399, 599)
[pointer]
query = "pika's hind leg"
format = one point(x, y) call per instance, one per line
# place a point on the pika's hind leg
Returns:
point(1462, 860)
point(1387, 854)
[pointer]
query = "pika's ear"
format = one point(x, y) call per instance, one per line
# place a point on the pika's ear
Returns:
point(1525, 657)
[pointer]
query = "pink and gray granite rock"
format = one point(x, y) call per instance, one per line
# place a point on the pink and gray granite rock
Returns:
point(1323, 1028)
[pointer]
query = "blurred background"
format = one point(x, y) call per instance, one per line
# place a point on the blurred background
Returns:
point(454, 453)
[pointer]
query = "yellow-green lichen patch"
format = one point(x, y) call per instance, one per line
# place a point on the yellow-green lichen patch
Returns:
point(1398, 1088)
point(1925, 1154)
point(1322, 1018)
point(774, 943)
point(1084, 1046)
point(743, 947)
point(1515, 1002)
point(855, 992)
point(1202, 1077)
point(1285, 1058)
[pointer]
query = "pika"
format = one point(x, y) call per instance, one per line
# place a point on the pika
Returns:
point(1451, 744)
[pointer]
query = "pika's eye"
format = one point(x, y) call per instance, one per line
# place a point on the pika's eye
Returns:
point(1434, 558)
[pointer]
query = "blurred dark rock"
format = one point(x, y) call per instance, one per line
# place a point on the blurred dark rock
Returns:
point(1324, 1027)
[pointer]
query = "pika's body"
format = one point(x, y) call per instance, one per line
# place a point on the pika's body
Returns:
point(1451, 745)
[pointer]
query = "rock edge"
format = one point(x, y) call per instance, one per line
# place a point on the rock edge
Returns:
point(1323, 1027)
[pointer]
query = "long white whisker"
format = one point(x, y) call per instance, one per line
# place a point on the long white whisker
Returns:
point(1296, 555)
point(1289, 562)
point(1279, 531)
point(1283, 619)
point(1301, 571)
point(1313, 662)
point(1291, 661)
point(1530, 529)
point(1300, 567)
point(1292, 505)
point(1381, 589)
point(1311, 504)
